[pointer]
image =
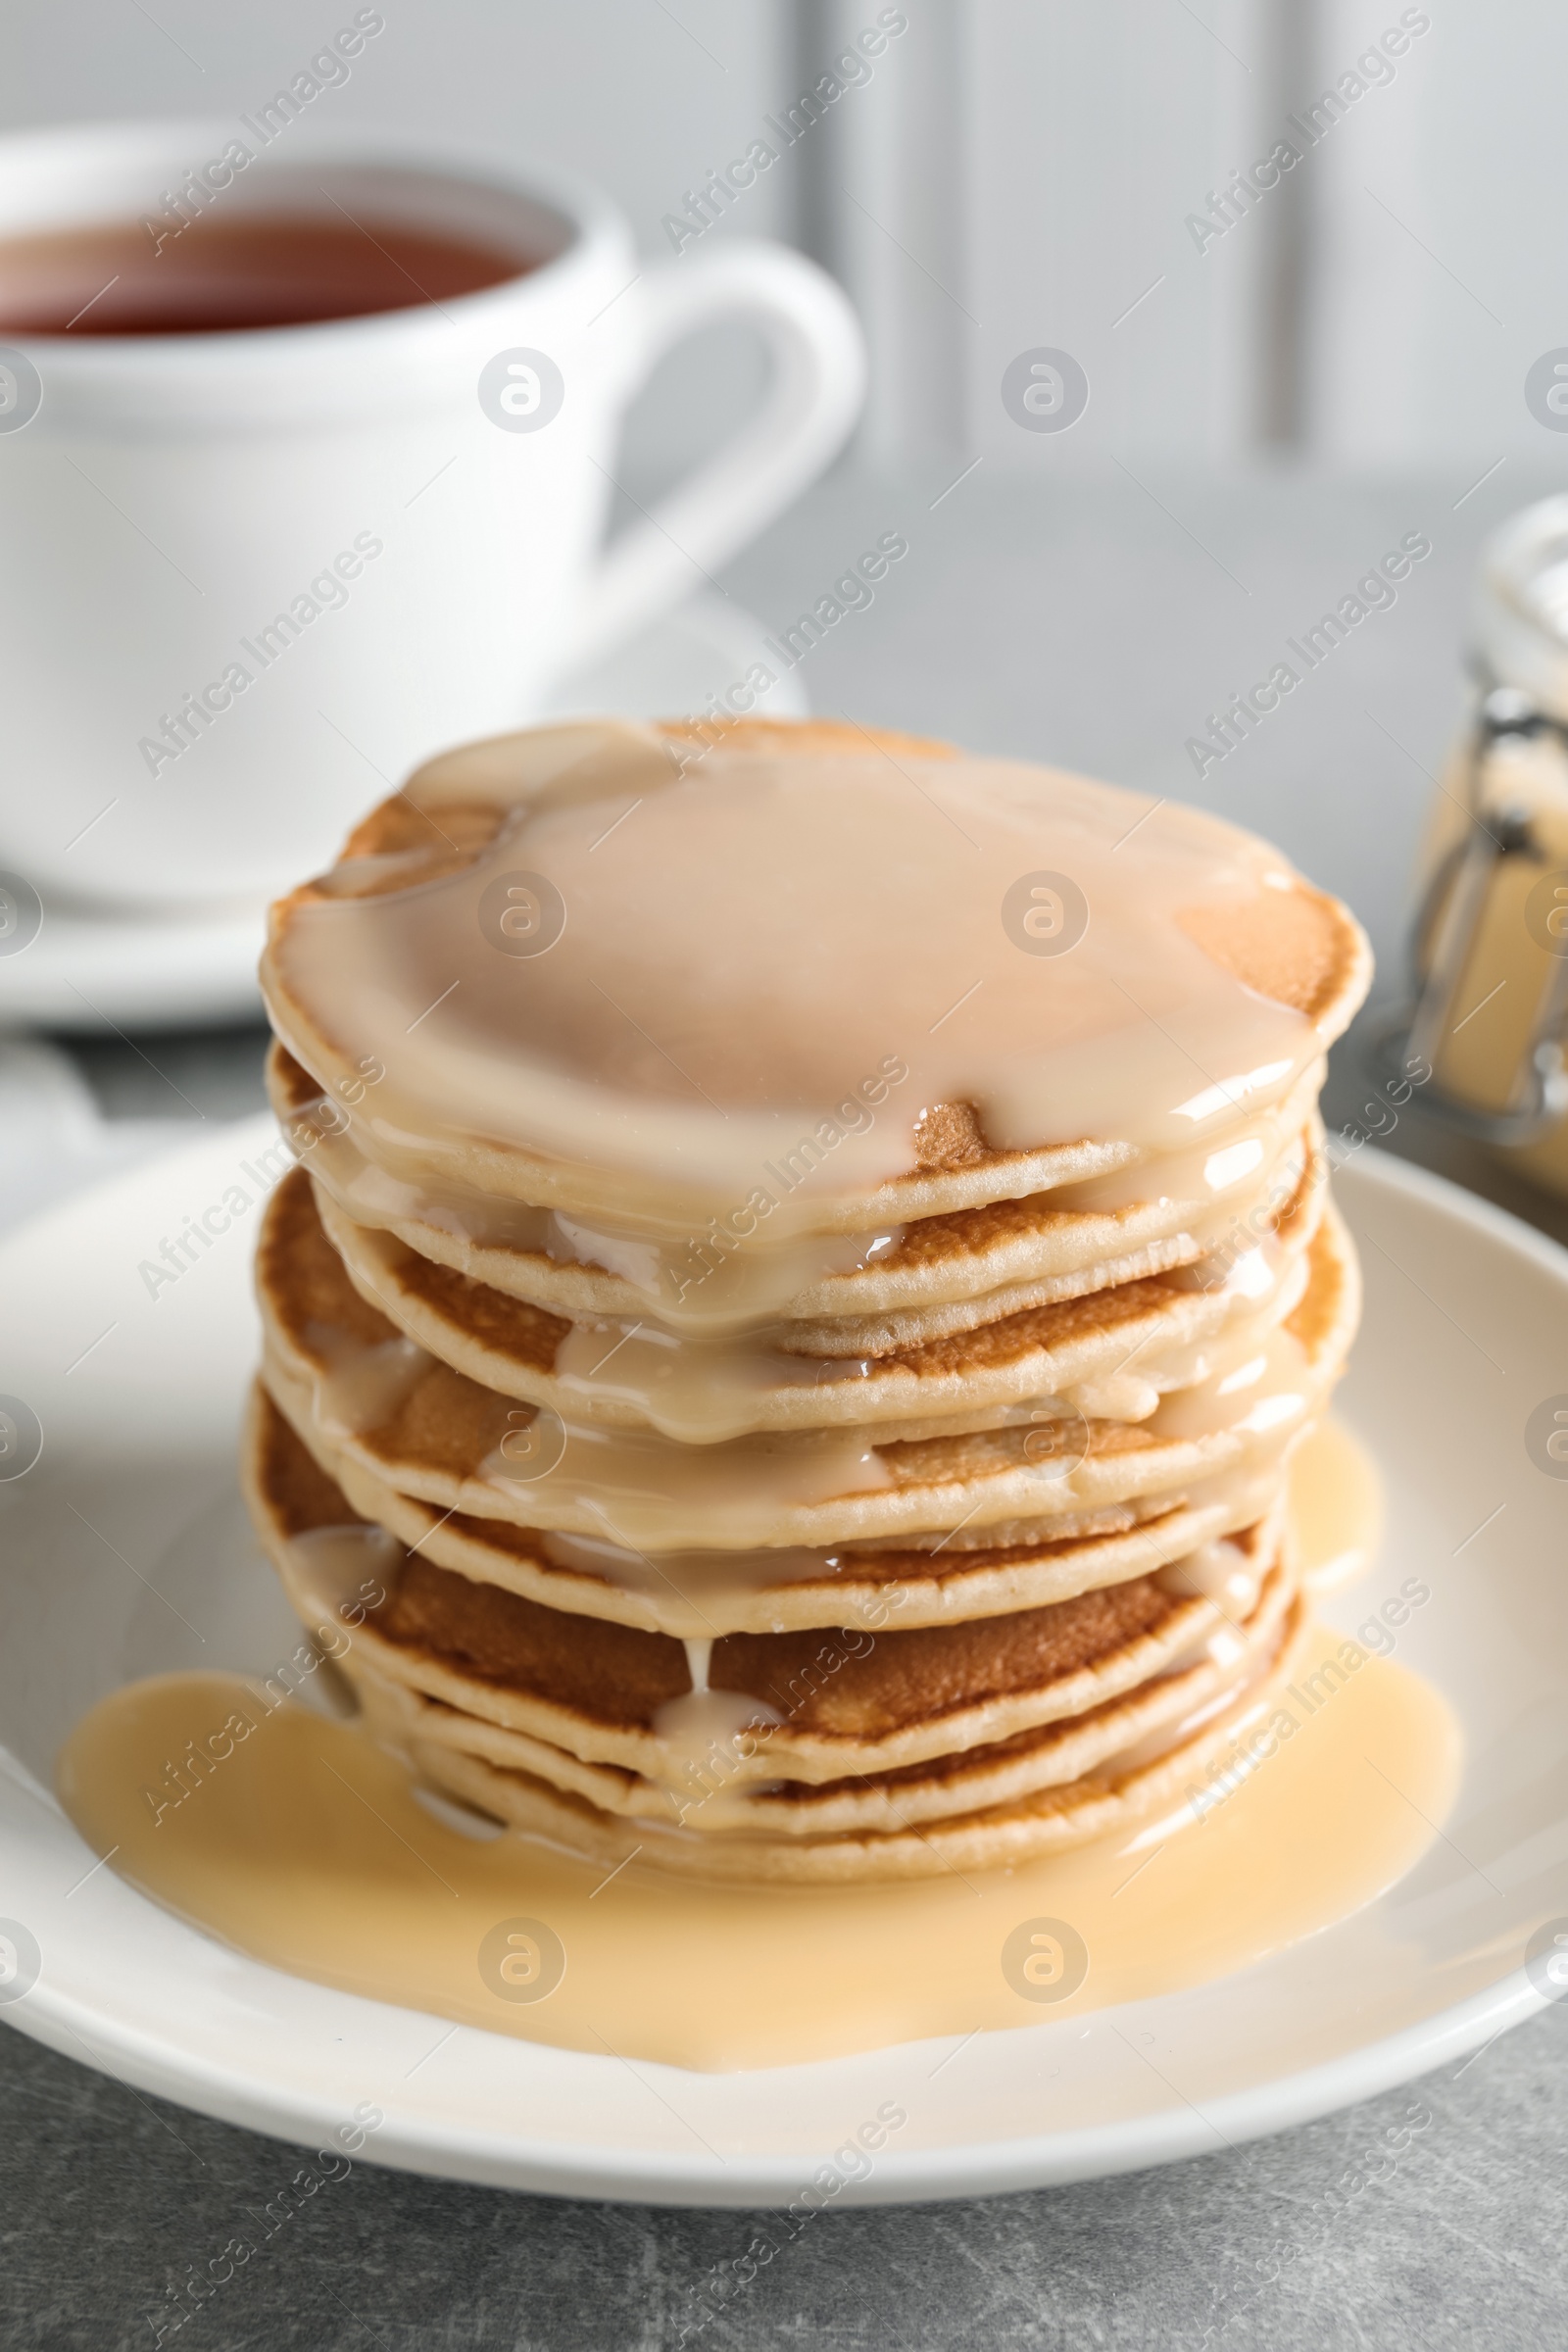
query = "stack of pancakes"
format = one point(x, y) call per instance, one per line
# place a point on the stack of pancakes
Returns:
point(970, 1546)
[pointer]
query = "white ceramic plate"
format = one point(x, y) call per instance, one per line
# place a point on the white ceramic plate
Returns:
point(125, 1553)
point(92, 971)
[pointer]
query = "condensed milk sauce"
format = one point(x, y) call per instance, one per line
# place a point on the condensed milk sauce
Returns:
point(639, 1494)
point(798, 953)
point(703, 1389)
point(713, 1274)
point(679, 1019)
point(291, 1837)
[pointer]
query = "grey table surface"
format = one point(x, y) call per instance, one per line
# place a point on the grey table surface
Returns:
point(1095, 624)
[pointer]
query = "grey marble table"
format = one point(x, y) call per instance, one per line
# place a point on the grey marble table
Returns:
point(1095, 624)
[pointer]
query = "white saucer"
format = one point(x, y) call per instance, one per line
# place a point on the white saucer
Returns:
point(91, 971)
point(139, 1401)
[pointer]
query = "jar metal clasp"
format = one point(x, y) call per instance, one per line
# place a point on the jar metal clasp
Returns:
point(1444, 931)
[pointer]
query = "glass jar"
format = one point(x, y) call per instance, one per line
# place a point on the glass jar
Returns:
point(1490, 940)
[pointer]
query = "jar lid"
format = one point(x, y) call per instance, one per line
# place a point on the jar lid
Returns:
point(1521, 608)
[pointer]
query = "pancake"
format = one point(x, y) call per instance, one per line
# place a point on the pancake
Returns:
point(689, 1449)
point(803, 1786)
point(697, 1594)
point(1053, 1725)
point(1124, 1791)
point(417, 1425)
point(402, 1713)
point(929, 1724)
point(1110, 1352)
point(828, 1704)
point(1291, 945)
point(920, 1280)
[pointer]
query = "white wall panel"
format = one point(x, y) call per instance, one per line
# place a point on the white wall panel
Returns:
point(1439, 236)
point(1016, 178)
point(888, 203)
point(1011, 173)
point(1098, 130)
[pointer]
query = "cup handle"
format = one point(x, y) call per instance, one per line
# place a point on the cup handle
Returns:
point(818, 384)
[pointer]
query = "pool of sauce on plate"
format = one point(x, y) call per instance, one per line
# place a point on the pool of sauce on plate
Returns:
point(1336, 1507)
point(309, 1848)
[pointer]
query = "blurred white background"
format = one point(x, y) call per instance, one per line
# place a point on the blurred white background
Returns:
point(1274, 398)
point(1015, 173)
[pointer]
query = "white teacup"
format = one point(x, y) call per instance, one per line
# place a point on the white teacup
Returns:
point(251, 577)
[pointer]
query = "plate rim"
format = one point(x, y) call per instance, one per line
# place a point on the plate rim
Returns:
point(446, 2148)
point(758, 2182)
